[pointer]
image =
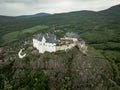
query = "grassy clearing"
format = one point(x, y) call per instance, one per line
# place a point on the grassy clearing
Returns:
point(34, 29)
point(9, 37)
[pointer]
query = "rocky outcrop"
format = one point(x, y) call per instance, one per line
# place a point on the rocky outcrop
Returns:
point(81, 46)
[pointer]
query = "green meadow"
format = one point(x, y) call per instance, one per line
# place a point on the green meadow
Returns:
point(34, 29)
point(9, 37)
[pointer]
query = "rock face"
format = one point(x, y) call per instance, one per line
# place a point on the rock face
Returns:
point(82, 47)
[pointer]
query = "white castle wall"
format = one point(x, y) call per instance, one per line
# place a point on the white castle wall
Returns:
point(65, 47)
point(51, 47)
point(73, 39)
point(42, 47)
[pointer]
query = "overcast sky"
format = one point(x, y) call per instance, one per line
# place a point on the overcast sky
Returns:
point(26, 7)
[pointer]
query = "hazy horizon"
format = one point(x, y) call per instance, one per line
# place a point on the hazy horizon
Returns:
point(30, 7)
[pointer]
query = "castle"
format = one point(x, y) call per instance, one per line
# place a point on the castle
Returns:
point(47, 42)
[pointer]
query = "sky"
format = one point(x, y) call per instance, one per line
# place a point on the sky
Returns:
point(29, 7)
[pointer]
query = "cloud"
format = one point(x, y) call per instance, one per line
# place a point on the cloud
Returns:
point(24, 7)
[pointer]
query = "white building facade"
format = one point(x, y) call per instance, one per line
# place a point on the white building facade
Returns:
point(45, 42)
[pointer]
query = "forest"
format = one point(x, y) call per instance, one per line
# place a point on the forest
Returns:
point(100, 30)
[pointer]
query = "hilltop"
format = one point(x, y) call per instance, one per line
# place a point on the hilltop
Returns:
point(99, 70)
point(60, 70)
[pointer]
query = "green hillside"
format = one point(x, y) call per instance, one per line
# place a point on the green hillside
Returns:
point(106, 23)
point(9, 37)
point(100, 30)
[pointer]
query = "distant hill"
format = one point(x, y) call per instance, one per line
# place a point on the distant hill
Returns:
point(12, 18)
point(113, 11)
point(100, 30)
point(80, 13)
point(35, 15)
point(79, 21)
point(6, 18)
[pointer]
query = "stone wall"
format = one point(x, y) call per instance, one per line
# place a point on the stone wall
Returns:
point(53, 48)
point(42, 47)
point(80, 44)
point(65, 47)
point(82, 47)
